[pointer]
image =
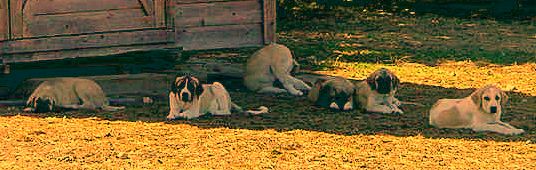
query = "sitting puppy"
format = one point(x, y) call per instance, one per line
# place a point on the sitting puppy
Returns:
point(68, 93)
point(377, 93)
point(270, 64)
point(189, 99)
point(481, 111)
point(335, 93)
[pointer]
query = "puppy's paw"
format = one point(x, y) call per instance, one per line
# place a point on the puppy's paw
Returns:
point(295, 92)
point(517, 131)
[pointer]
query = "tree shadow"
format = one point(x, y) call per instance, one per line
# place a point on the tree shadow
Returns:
point(291, 113)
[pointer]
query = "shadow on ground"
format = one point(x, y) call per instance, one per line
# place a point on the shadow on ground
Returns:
point(290, 113)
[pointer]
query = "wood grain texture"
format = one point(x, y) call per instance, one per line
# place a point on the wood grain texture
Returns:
point(88, 52)
point(76, 23)
point(214, 37)
point(16, 18)
point(218, 13)
point(52, 7)
point(269, 21)
point(88, 41)
point(4, 21)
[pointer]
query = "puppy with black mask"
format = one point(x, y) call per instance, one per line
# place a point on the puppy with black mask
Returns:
point(335, 93)
point(188, 98)
point(377, 92)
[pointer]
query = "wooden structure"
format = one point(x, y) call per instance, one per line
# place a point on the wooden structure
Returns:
point(34, 33)
point(36, 30)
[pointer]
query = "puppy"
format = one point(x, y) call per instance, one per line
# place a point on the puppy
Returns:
point(377, 93)
point(481, 111)
point(335, 93)
point(68, 93)
point(188, 98)
point(270, 64)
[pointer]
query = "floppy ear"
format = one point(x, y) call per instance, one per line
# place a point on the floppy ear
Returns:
point(314, 93)
point(371, 81)
point(477, 96)
point(504, 99)
point(198, 89)
point(395, 83)
point(174, 85)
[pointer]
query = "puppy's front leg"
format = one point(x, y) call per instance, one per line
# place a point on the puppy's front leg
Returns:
point(511, 127)
point(300, 85)
point(495, 128)
point(380, 109)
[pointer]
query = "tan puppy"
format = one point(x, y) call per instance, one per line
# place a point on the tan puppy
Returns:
point(377, 93)
point(68, 93)
point(270, 64)
point(189, 99)
point(335, 93)
point(481, 111)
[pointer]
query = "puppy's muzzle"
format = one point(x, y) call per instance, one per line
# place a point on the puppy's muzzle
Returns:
point(493, 109)
point(185, 97)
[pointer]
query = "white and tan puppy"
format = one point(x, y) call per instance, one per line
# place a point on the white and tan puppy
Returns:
point(270, 64)
point(377, 92)
point(68, 93)
point(481, 111)
point(188, 98)
point(335, 93)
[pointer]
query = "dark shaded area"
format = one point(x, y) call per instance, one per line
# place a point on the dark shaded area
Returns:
point(291, 113)
point(497, 9)
point(128, 63)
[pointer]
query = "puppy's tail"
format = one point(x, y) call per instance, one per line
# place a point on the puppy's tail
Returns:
point(260, 110)
point(112, 108)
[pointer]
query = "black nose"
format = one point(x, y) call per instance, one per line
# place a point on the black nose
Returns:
point(185, 97)
point(493, 109)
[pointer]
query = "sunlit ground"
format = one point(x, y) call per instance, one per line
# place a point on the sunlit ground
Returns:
point(460, 75)
point(63, 143)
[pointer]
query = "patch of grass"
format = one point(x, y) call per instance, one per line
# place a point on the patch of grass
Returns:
point(426, 39)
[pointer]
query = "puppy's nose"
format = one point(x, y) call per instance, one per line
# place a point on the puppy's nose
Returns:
point(493, 109)
point(185, 97)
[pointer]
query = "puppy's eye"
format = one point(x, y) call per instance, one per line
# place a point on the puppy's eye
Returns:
point(486, 98)
point(497, 98)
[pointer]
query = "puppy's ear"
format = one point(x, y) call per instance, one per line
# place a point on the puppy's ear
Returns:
point(314, 93)
point(395, 82)
point(174, 84)
point(504, 99)
point(476, 96)
point(371, 81)
point(198, 89)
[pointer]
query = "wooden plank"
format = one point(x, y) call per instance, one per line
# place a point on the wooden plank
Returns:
point(88, 41)
point(218, 13)
point(76, 23)
point(88, 52)
point(160, 12)
point(4, 21)
point(200, 1)
point(16, 18)
point(269, 21)
point(229, 36)
point(147, 6)
point(51, 7)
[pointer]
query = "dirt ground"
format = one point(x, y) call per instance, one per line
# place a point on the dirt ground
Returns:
point(448, 60)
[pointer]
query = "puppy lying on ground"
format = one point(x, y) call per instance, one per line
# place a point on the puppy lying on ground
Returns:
point(335, 93)
point(189, 99)
point(377, 93)
point(481, 111)
point(68, 93)
point(270, 64)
